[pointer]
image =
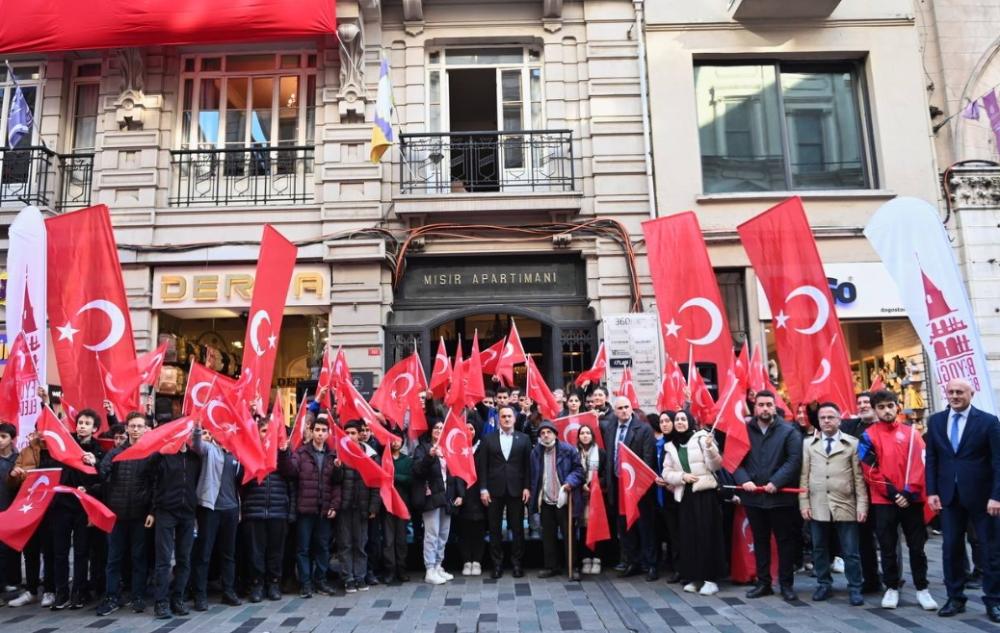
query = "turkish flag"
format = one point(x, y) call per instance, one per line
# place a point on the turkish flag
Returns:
point(353, 455)
point(742, 366)
point(352, 406)
point(474, 388)
point(340, 376)
point(19, 521)
point(457, 448)
point(597, 372)
point(392, 397)
point(272, 439)
point(232, 426)
point(539, 392)
point(670, 395)
point(687, 292)
point(299, 426)
point(455, 398)
point(877, 384)
point(757, 379)
point(441, 372)
point(781, 248)
point(270, 293)
point(121, 399)
point(634, 479)
point(391, 498)
point(200, 382)
point(597, 516)
point(165, 439)
point(144, 370)
point(491, 356)
point(325, 381)
point(418, 417)
point(702, 404)
point(743, 564)
point(513, 353)
point(98, 514)
point(60, 443)
point(88, 310)
point(731, 420)
point(627, 388)
point(822, 387)
point(17, 385)
point(569, 427)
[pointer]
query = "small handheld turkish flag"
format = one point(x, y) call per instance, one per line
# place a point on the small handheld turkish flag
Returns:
point(352, 455)
point(634, 479)
point(391, 498)
point(457, 449)
point(441, 372)
point(513, 353)
point(597, 516)
point(597, 372)
point(165, 439)
point(627, 388)
point(19, 522)
point(569, 427)
point(538, 391)
point(60, 443)
point(99, 515)
point(491, 356)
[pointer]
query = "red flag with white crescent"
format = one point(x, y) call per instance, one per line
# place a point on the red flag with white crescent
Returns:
point(272, 439)
point(200, 381)
point(634, 479)
point(513, 353)
point(823, 388)
point(391, 498)
point(538, 391)
point(233, 427)
point(119, 397)
point(298, 434)
point(165, 439)
point(60, 443)
point(731, 420)
point(18, 394)
point(670, 395)
point(702, 403)
point(353, 455)
point(597, 516)
point(457, 448)
point(393, 393)
point(627, 388)
point(440, 372)
point(687, 292)
point(491, 356)
point(474, 390)
point(270, 292)
point(98, 514)
point(757, 379)
point(569, 427)
point(88, 310)
point(597, 372)
point(781, 247)
point(455, 397)
point(20, 520)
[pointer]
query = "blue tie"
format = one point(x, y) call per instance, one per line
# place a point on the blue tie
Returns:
point(954, 431)
point(621, 437)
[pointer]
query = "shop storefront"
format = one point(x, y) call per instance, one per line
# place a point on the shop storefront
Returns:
point(202, 313)
point(880, 339)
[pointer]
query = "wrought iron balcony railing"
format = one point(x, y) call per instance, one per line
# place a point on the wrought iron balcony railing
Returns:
point(475, 162)
point(37, 175)
point(242, 176)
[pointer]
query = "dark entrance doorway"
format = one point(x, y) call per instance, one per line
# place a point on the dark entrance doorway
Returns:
point(536, 337)
point(473, 108)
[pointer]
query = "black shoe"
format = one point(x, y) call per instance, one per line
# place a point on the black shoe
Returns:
point(673, 578)
point(62, 602)
point(760, 591)
point(350, 586)
point(993, 613)
point(518, 572)
point(306, 591)
point(273, 591)
point(138, 605)
point(823, 592)
point(788, 594)
point(620, 566)
point(77, 602)
point(402, 576)
point(497, 573)
point(201, 604)
point(371, 580)
point(547, 573)
point(652, 575)
point(179, 608)
point(575, 576)
point(256, 594)
point(162, 611)
point(856, 599)
point(629, 570)
point(109, 606)
point(229, 598)
point(952, 607)
point(326, 588)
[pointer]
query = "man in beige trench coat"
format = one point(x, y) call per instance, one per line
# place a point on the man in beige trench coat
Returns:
point(836, 498)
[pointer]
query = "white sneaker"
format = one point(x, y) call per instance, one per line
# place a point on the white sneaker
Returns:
point(890, 599)
point(441, 572)
point(595, 566)
point(10, 588)
point(691, 587)
point(927, 602)
point(48, 599)
point(432, 577)
point(26, 597)
point(838, 565)
point(586, 567)
point(477, 569)
point(709, 589)
point(467, 569)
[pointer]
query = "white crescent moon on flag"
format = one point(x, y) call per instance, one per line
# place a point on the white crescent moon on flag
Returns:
point(508, 350)
point(409, 385)
point(345, 444)
point(444, 363)
point(824, 366)
point(258, 318)
point(627, 468)
point(111, 385)
point(572, 426)
point(713, 313)
point(211, 408)
point(194, 394)
point(822, 307)
point(157, 359)
point(447, 441)
point(117, 323)
point(490, 355)
point(43, 480)
point(56, 438)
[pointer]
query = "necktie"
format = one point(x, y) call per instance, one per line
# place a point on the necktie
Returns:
point(829, 445)
point(621, 438)
point(954, 431)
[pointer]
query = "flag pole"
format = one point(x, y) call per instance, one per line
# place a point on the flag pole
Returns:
point(569, 537)
point(724, 404)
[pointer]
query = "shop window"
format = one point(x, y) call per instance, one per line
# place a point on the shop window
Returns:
point(782, 127)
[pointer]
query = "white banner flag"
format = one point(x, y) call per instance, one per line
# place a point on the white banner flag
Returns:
point(909, 237)
point(26, 302)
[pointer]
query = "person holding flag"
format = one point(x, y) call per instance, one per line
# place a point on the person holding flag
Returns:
point(593, 462)
point(9, 559)
point(472, 515)
point(437, 495)
point(556, 478)
point(359, 505)
point(394, 527)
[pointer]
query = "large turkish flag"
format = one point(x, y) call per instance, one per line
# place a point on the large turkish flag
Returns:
point(88, 311)
point(783, 252)
point(687, 294)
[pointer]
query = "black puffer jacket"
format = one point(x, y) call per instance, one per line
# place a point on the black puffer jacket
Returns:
point(355, 495)
point(128, 487)
point(430, 490)
point(316, 492)
point(270, 499)
point(76, 478)
point(6, 489)
point(175, 483)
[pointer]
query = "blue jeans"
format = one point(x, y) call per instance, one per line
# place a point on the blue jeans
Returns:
point(847, 532)
point(174, 537)
point(313, 547)
point(437, 526)
point(127, 535)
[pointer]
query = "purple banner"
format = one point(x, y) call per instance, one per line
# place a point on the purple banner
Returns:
point(993, 112)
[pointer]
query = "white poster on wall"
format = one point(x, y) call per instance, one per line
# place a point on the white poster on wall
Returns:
point(861, 290)
point(633, 340)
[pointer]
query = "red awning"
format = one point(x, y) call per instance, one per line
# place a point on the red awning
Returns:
point(33, 26)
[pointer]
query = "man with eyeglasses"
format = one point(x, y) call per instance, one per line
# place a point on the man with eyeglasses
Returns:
point(638, 544)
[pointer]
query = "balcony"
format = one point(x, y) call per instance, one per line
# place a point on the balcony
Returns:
point(242, 176)
point(781, 9)
point(37, 175)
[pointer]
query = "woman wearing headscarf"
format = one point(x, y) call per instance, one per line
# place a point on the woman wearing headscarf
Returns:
point(667, 518)
point(472, 521)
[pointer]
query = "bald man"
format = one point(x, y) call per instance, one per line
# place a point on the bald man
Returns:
point(963, 484)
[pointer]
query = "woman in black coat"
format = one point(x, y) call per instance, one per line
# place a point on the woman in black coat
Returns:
point(593, 460)
point(437, 494)
point(472, 522)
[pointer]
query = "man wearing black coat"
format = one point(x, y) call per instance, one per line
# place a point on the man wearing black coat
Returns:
point(503, 469)
point(774, 462)
point(638, 543)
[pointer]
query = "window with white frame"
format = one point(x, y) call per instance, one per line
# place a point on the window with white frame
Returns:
point(29, 78)
point(85, 93)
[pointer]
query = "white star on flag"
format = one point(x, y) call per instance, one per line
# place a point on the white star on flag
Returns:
point(672, 328)
point(781, 318)
point(26, 508)
point(66, 332)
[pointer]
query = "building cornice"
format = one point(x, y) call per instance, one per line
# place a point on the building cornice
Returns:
point(780, 25)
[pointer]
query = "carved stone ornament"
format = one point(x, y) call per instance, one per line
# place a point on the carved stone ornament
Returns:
point(552, 11)
point(352, 94)
point(132, 102)
point(975, 188)
point(413, 16)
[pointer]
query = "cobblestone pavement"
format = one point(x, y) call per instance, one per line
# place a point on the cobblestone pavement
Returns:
point(532, 605)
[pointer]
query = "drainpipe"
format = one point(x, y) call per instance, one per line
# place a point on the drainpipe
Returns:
point(640, 32)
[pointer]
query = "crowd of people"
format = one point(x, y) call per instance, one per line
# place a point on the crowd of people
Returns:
point(831, 492)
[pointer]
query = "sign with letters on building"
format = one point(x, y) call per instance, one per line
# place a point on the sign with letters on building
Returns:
point(232, 287)
point(633, 340)
point(862, 290)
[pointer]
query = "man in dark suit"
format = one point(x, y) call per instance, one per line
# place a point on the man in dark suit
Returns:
point(963, 483)
point(504, 460)
point(638, 543)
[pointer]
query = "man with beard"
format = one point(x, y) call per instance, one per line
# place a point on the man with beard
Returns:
point(855, 426)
